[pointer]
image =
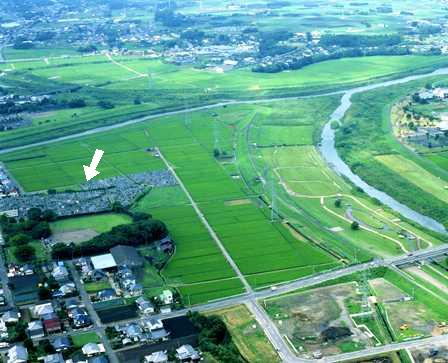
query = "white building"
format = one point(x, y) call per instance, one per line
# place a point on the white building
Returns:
point(166, 297)
point(157, 357)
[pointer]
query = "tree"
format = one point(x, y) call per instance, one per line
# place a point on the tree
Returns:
point(355, 225)
point(41, 230)
point(44, 293)
point(25, 253)
point(20, 239)
point(337, 203)
point(34, 214)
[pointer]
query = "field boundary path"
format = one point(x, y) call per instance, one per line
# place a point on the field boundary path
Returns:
point(207, 225)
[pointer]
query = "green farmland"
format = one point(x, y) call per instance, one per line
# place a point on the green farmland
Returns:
point(160, 86)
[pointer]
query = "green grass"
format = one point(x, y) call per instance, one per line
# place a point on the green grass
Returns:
point(61, 165)
point(79, 340)
point(416, 175)
point(251, 342)
point(99, 223)
point(104, 80)
point(93, 287)
point(42, 254)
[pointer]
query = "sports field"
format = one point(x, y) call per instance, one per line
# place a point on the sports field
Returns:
point(99, 223)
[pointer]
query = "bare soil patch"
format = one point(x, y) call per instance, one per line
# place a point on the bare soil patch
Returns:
point(74, 236)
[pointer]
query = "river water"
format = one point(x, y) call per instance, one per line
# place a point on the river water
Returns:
point(329, 153)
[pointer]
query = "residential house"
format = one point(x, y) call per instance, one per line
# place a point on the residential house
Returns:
point(66, 289)
point(127, 256)
point(3, 330)
point(38, 311)
point(440, 92)
point(187, 353)
point(60, 272)
point(61, 343)
point(157, 357)
point(99, 359)
point(91, 349)
point(79, 317)
point(11, 316)
point(72, 303)
point(52, 325)
point(145, 306)
point(35, 329)
point(17, 354)
point(107, 294)
point(166, 297)
point(53, 358)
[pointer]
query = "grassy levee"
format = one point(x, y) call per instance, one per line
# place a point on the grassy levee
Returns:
point(172, 88)
point(365, 142)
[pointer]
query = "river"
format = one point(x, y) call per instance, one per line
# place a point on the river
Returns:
point(329, 153)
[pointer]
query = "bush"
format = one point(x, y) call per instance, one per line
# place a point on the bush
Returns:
point(355, 226)
point(25, 253)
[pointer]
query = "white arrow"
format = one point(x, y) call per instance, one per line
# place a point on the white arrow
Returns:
point(91, 171)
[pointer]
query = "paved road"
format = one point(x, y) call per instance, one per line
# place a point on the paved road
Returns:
point(97, 325)
point(250, 300)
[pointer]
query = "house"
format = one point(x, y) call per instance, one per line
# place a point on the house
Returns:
point(92, 349)
point(440, 92)
point(62, 343)
point(60, 272)
point(153, 324)
point(3, 330)
point(96, 275)
point(52, 325)
point(35, 329)
point(80, 317)
point(38, 311)
point(107, 294)
point(187, 353)
point(52, 358)
point(127, 256)
point(17, 354)
point(99, 359)
point(157, 357)
point(144, 305)
point(65, 290)
point(166, 297)
point(104, 262)
point(11, 316)
point(72, 303)
point(133, 331)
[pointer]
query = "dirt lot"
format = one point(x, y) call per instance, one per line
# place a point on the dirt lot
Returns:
point(74, 236)
point(386, 291)
point(303, 317)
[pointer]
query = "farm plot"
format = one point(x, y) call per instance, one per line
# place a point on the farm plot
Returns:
point(265, 252)
point(416, 175)
point(248, 335)
point(60, 165)
point(198, 269)
point(318, 320)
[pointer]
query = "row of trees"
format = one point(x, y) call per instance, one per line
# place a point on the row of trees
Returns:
point(143, 230)
point(360, 41)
